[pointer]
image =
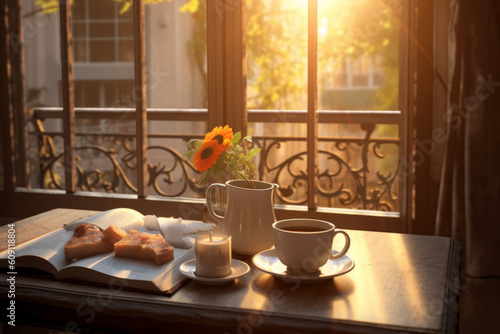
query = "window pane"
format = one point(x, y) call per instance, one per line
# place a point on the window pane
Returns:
point(283, 158)
point(42, 66)
point(176, 43)
point(102, 51)
point(116, 91)
point(103, 141)
point(358, 54)
point(96, 32)
point(126, 50)
point(101, 29)
point(79, 51)
point(101, 9)
point(86, 95)
point(358, 167)
point(277, 79)
point(127, 15)
point(125, 29)
point(358, 69)
point(79, 30)
point(78, 10)
point(357, 161)
point(277, 54)
point(176, 75)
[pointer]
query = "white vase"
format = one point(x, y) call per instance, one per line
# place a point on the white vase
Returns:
point(249, 215)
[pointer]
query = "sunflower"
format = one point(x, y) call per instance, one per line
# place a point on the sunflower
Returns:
point(207, 155)
point(223, 135)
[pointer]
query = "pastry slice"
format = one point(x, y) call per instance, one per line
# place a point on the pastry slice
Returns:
point(145, 246)
point(113, 234)
point(87, 240)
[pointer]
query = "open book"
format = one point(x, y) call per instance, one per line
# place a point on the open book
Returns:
point(47, 253)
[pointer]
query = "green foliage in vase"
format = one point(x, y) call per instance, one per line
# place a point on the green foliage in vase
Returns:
point(233, 162)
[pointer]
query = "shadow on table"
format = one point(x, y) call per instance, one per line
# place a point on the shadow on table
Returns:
point(316, 298)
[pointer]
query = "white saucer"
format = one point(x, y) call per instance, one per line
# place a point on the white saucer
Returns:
point(268, 262)
point(239, 269)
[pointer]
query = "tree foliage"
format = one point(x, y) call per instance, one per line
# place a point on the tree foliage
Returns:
point(277, 45)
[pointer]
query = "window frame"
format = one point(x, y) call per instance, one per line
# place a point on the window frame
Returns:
point(227, 104)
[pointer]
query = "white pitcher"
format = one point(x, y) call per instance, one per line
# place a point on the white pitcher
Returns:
point(249, 215)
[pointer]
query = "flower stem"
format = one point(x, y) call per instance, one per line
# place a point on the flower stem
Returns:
point(249, 182)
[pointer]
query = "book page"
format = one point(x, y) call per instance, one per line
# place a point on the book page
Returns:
point(119, 217)
point(133, 269)
point(49, 247)
point(173, 276)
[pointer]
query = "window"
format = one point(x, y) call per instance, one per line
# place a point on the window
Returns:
point(311, 100)
point(357, 99)
point(101, 33)
point(97, 93)
point(103, 49)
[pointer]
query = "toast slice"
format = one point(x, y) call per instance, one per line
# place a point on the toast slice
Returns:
point(145, 246)
point(113, 234)
point(87, 240)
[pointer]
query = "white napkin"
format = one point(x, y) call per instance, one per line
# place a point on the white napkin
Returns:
point(151, 222)
point(173, 229)
point(133, 225)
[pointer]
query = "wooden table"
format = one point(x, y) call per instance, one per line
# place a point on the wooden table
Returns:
point(401, 283)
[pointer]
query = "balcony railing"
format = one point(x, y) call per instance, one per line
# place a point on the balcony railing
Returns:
point(357, 169)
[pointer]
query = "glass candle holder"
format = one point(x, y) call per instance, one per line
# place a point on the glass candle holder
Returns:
point(213, 255)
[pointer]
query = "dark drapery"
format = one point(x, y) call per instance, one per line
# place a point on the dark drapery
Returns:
point(469, 201)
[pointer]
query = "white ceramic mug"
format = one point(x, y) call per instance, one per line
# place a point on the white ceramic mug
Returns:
point(304, 244)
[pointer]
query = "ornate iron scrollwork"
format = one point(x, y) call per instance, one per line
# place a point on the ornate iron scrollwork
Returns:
point(348, 176)
point(340, 180)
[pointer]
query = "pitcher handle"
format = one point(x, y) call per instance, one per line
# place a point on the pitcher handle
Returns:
point(216, 217)
point(275, 192)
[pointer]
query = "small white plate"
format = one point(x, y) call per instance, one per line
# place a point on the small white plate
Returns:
point(239, 269)
point(268, 262)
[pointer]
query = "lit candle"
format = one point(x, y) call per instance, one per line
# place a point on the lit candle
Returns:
point(213, 255)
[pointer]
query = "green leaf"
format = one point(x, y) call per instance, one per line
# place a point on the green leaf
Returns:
point(194, 144)
point(237, 151)
point(234, 161)
point(236, 138)
point(189, 155)
point(242, 160)
point(248, 138)
point(253, 152)
point(205, 176)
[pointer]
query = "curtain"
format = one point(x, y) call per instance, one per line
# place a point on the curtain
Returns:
point(469, 199)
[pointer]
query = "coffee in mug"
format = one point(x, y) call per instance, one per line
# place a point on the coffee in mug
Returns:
point(305, 245)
